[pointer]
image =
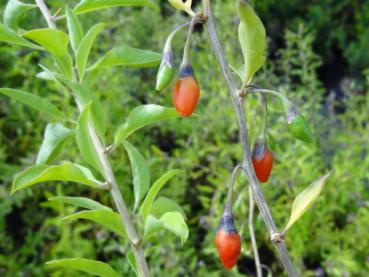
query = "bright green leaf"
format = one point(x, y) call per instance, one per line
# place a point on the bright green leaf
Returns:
point(34, 101)
point(252, 37)
point(174, 222)
point(140, 172)
point(83, 202)
point(154, 190)
point(127, 56)
point(85, 48)
point(305, 199)
point(54, 41)
point(108, 219)
point(55, 138)
point(142, 116)
point(152, 226)
point(84, 140)
point(92, 5)
point(85, 96)
point(90, 266)
point(14, 11)
point(163, 205)
point(132, 262)
point(74, 29)
point(9, 36)
point(66, 171)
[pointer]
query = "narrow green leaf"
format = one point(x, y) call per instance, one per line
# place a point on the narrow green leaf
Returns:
point(140, 172)
point(154, 190)
point(174, 222)
point(83, 202)
point(85, 96)
point(9, 36)
point(108, 219)
point(85, 48)
point(127, 56)
point(152, 226)
point(74, 29)
point(90, 266)
point(14, 11)
point(35, 102)
point(65, 64)
point(305, 199)
point(55, 138)
point(84, 140)
point(163, 205)
point(91, 5)
point(54, 41)
point(252, 37)
point(66, 171)
point(132, 262)
point(142, 116)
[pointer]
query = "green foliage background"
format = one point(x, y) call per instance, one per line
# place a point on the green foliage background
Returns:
point(317, 57)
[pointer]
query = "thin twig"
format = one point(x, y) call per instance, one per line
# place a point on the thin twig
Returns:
point(246, 154)
point(109, 177)
point(252, 235)
point(230, 187)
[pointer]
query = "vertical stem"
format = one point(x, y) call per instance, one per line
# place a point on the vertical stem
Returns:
point(246, 154)
point(252, 235)
point(230, 188)
point(46, 13)
point(136, 245)
point(186, 50)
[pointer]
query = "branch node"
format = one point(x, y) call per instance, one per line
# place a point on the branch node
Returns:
point(276, 237)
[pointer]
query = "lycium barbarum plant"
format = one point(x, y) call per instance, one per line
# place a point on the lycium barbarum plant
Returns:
point(70, 71)
point(73, 71)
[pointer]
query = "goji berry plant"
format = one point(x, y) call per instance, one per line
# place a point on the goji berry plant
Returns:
point(68, 66)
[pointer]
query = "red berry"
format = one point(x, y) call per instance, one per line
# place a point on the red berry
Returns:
point(185, 95)
point(228, 242)
point(262, 159)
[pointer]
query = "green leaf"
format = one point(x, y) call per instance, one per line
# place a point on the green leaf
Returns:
point(154, 190)
point(132, 262)
point(171, 221)
point(85, 96)
point(85, 48)
point(84, 140)
point(128, 56)
point(152, 226)
point(252, 37)
point(163, 205)
point(91, 5)
point(65, 64)
point(54, 41)
point(14, 11)
point(175, 223)
point(66, 171)
point(108, 219)
point(140, 172)
point(74, 29)
point(183, 6)
point(305, 199)
point(55, 138)
point(90, 266)
point(35, 102)
point(142, 116)
point(83, 202)
point(9, 36)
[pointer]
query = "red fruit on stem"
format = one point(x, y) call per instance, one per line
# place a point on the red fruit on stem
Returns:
point(262, 159)
point(228, 242)
point(186, 92)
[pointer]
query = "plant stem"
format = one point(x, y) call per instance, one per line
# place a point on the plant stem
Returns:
point(246, 154)
point(186, 50)
point(228, 205)
point(168, 42)
point(252, 234)
point(109, 177)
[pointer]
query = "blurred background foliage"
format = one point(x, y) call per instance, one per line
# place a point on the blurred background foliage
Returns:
point(317, 56)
